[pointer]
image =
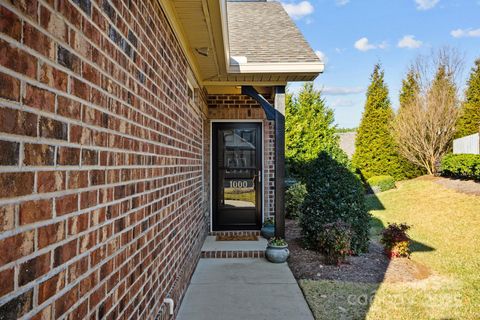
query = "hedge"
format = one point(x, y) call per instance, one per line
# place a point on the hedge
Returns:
point(381, 183)
point(461, 166)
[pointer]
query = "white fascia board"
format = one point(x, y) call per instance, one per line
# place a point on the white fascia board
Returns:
point(290, 67)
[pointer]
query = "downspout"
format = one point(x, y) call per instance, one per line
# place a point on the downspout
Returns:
point(279, 120)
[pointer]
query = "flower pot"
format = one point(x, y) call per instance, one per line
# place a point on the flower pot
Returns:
point(277, 254)
point(268, 231)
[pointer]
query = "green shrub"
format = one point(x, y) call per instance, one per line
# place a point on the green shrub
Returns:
point(381, 183)
point(396, 240)
point(461, 166)
point(333, 193)
point(294, 197)
point(334, 242)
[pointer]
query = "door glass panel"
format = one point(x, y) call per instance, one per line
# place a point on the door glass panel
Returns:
point(237, 168)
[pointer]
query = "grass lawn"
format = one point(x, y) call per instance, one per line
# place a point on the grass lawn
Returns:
point(446, 234)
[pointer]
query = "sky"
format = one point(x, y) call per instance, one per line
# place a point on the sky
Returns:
point(350, 36)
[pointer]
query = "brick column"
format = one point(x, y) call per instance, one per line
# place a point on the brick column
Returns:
point(279, 103)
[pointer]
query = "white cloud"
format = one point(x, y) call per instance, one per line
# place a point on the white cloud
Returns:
point(363, 44)
point(321, 56)
point(342, 2)
point(340, 50)
point(426, 4)
point(340, 91)
point(410, 42)
point(298, 10)
point(465, 33)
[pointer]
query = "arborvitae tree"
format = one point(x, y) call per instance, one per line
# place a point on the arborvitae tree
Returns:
point(375, 149)
point(309, 129)
point(469, 121)
point(410, 89)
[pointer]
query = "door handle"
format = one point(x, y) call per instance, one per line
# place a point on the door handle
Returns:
point(259, 176)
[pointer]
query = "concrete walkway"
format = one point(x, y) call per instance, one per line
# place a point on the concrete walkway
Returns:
point(243, 289)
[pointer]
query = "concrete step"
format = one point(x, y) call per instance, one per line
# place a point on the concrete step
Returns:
point(233, 249)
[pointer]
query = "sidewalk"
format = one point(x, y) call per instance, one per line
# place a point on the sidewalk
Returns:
point(243, 289)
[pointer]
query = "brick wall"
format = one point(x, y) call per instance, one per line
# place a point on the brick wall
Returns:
point(101, 209)
point(234, 107)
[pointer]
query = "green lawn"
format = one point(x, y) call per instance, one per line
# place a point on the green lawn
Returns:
point(442, 219)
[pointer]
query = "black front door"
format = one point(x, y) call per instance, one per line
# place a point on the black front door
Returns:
point(237, 174)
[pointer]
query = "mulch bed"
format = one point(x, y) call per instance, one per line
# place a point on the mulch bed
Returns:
point(237, 237)
point(459, 185)
point(371, 267)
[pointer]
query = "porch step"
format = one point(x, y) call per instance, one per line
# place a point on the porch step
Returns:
point(233, 249)
point(235, 233)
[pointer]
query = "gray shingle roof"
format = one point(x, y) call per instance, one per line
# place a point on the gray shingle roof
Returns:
point(264, 33)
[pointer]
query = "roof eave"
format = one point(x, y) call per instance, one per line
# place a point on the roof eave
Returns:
point(308, 69)
point(278, 68)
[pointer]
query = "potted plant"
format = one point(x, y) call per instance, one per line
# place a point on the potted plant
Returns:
point(395, 240)
point(268, 229)
point(277, 250)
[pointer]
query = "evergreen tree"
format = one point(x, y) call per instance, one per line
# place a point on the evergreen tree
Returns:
point(309, 129)
point(375, 149)
point(410, 88)
point(469, 121)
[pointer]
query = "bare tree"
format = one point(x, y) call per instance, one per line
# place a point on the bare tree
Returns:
point(425, 126)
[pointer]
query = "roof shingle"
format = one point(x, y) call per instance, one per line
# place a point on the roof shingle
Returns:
point(264, 33)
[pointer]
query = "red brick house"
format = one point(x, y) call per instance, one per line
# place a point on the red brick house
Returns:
point(129, 130)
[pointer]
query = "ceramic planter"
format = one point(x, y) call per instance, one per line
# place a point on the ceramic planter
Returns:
point(268, 231)
point(277, 254)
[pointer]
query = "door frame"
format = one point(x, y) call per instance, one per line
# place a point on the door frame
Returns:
point(262, 206)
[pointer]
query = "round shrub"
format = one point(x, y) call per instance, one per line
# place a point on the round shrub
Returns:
point(396, 240)
point(334, 242)
point(294, 197)
point(334, 193)
point(381, 183)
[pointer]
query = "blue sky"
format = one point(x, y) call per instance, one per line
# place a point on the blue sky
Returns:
point(352, 35)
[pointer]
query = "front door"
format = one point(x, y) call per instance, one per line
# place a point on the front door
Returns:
point(237, 174)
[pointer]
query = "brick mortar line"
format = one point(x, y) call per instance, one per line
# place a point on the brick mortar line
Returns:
point(100, 283)
point(195, 258)
point(41, 196)
point(55, 168)
point(36, 83)
point(78, 257)
point(83, 60)
point(180, 259)
point(28, 227)
point(70, 96)
point(64, 143)
point(70, 72)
